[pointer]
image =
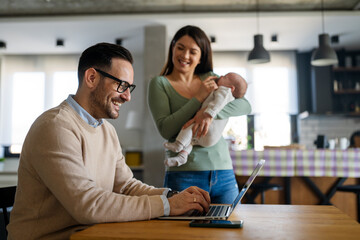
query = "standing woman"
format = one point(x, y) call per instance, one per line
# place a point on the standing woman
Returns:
point(175, 97)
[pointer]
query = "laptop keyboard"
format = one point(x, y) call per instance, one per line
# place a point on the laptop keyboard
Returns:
point(214, 211)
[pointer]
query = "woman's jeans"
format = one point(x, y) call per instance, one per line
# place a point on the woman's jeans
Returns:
point(221, 184)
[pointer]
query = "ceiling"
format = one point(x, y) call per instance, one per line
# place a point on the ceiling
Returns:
point(32, 26)
point(70, 7)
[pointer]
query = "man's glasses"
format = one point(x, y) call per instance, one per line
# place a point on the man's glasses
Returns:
point(123, 85)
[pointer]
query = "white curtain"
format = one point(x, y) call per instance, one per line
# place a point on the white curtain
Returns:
point(271, 86)
point(45, 68)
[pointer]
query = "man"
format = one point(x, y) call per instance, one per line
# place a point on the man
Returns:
point(72, 172)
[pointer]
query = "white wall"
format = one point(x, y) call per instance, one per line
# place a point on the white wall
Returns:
point(133, 139)
point(330, 126)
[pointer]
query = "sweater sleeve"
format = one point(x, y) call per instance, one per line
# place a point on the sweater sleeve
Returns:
point(131, 186)
point(237, 107)
point(168, 122)
point(221, 97)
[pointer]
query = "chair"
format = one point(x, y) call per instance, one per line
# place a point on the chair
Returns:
point(7, 200)
point(263, 187)
point(354, 189)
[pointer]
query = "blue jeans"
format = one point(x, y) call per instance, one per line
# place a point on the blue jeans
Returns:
point(221, 184)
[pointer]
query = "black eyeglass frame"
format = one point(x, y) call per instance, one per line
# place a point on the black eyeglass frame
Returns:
point(122, 83)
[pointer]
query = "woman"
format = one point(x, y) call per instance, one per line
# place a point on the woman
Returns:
point(355, 140)
point(175, 97)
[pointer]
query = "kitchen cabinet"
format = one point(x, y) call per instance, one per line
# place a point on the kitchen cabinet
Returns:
point(321, 90)
point(330, 90)
point(346, 90)
point(314, 86)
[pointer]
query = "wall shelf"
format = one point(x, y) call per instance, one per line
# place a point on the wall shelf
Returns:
point(346, 69)
point(346, 84)
point(347, 91)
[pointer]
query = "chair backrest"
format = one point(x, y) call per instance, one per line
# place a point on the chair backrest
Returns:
point(7, 200)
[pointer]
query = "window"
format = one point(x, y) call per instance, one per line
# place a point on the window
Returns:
point(271, 104)
point(272, 129)
point(272, 93)
point(235, 131)
point(27, 103)
point(64, 84)
point(29, 86)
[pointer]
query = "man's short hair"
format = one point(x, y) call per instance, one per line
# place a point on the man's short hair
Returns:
point(100, 56)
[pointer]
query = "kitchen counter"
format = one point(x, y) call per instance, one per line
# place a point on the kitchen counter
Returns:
point(8, 172)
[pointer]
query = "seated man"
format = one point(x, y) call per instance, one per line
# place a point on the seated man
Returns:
point(72, 172)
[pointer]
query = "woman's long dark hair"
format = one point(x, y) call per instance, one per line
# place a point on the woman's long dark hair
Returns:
point(201, 40)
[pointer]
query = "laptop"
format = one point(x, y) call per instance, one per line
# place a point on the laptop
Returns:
point(220, 211)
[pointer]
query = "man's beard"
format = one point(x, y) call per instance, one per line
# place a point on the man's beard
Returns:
point(99, 104)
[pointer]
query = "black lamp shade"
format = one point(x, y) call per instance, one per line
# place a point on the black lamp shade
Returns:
point(2, 44)
point(324, 55)
point(258, 54)
point(59, 42)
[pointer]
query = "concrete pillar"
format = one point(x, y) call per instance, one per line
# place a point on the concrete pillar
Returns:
point(155, 51)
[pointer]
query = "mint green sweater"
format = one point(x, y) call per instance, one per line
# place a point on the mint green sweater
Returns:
point(171, 111)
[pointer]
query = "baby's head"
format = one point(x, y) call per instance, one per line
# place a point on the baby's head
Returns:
point(234, 81)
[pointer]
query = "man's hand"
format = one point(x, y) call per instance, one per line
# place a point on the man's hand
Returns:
point(201, 123)
point(189, 199)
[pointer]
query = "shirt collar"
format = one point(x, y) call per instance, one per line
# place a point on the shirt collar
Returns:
point(83, 113)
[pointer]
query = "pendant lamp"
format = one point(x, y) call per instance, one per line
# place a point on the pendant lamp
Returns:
point(259, 53)
point(324, 55)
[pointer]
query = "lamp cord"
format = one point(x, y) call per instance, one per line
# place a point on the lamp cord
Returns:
point(257, 17)
point(322, 15)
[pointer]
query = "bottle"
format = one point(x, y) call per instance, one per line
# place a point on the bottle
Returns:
point(357, 107)
point(357, 86)
point(348, 61)
point(336, 86)
point(352, 107)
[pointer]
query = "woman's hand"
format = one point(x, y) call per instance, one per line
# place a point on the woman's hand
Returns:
point(206, 87)
point(201, 123)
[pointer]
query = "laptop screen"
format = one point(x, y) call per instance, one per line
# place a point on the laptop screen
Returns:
point(248, 183)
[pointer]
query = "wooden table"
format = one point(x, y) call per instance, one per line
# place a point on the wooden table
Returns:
point(260, 222)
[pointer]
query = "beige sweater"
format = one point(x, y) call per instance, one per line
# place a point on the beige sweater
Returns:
point(72, 175)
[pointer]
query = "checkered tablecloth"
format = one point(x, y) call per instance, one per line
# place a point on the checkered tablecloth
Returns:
point(290, 162)
point(278, 162)
point(328, 163)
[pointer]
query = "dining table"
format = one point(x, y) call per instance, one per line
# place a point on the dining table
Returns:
point(296, 222)
point(305, 164)
point(293, 162)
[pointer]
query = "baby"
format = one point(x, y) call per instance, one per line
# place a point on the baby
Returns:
point(231, 86)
